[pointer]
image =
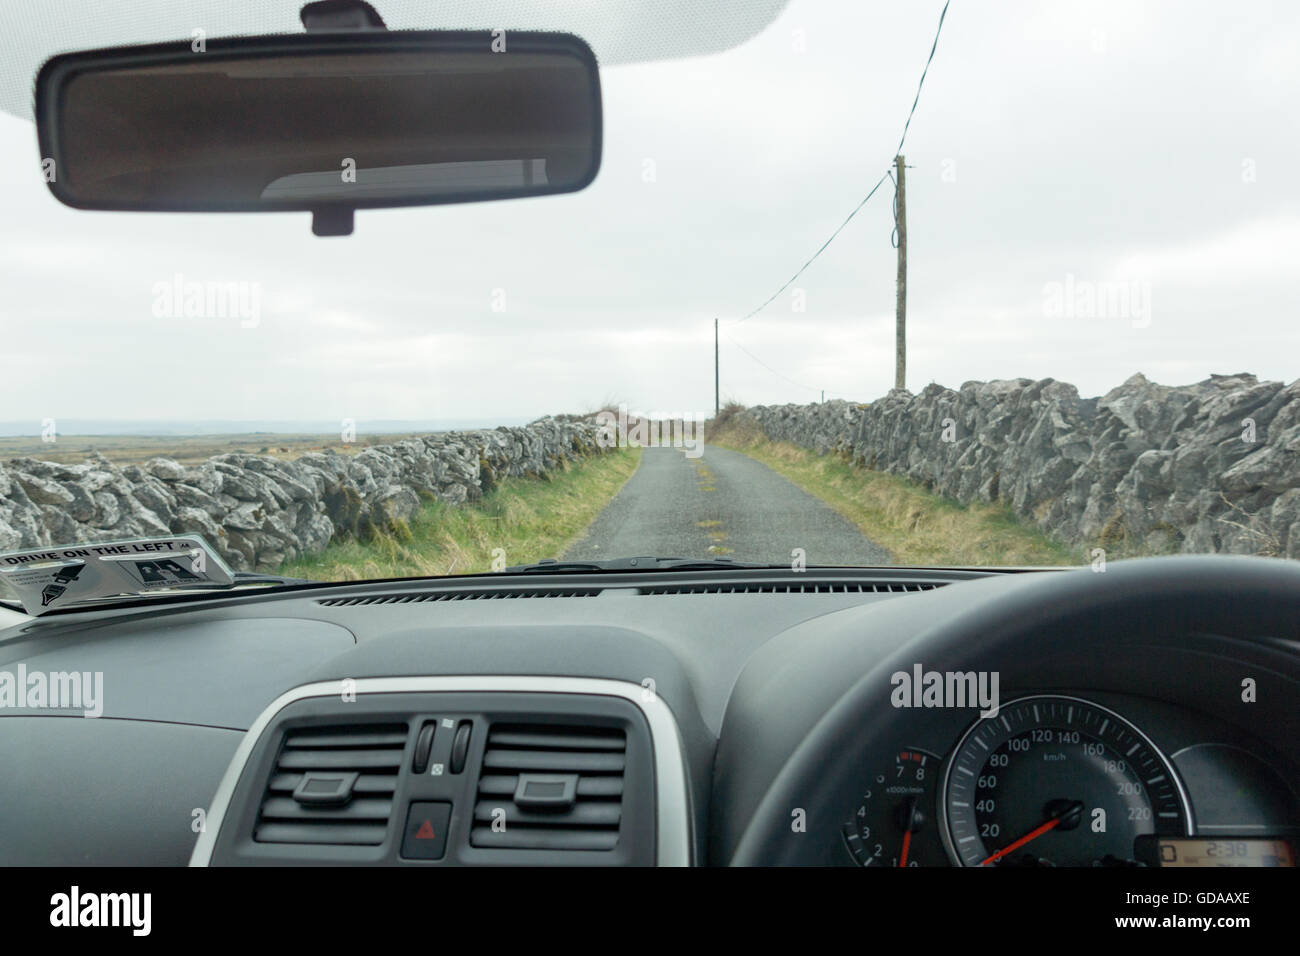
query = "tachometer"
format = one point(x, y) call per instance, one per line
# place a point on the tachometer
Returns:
point(894, 825)
point(1057, 781)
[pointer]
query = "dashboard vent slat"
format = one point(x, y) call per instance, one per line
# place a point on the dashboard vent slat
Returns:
point(286, 808)
point(332, 834)
point(531, 739)
point(366, 783)
point(591, 759)
point(466, 594)
point(595, 813)
point(810, 587)
point(370, 756)
point(536, 839)
point(587, 786)
point(351, 740)
point(340, 760)
point(553, 762)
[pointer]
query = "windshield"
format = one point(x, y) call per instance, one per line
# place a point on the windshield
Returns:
point(855, 285)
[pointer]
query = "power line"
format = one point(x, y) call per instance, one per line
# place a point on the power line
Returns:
point(768, 367)
point(780, 375)
point(934, 46)
point(893, 236)
point(907, 125)
point(773, 296)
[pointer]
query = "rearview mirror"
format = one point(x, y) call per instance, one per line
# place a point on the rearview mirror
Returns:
point(326, 122)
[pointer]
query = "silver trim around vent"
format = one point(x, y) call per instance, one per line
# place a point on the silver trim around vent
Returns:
point(672, 797)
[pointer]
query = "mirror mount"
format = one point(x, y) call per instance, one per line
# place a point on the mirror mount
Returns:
point(319, 17)
point(332, 221)
point(350, 15)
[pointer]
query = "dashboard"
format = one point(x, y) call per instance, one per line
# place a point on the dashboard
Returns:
point(1142, 717)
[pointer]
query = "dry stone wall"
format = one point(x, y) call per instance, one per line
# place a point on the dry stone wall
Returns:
point(1145, 468)
point(259, 511)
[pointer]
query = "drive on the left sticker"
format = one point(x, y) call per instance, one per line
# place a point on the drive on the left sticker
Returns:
point(45, 579)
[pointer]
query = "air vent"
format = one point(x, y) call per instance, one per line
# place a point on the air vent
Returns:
point(546, 787)
point(811, 587)
point(333, 785)
point(421, 597)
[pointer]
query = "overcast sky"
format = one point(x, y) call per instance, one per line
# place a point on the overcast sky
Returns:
point(1096, 143)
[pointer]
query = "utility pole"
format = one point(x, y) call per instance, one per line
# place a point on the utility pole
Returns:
point(900, 313)
point(716, 407)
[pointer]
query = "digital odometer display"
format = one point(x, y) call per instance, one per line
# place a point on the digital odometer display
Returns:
point(1216, 851)
point(1057, 781)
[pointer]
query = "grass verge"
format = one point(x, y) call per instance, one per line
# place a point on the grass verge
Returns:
point(914, 525)
point(530, 518)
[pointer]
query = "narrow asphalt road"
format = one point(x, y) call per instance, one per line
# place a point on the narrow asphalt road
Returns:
point(720, 504)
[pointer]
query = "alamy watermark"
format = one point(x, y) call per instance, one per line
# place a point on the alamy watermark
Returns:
point(183, 299)
point(652, 430)
point(947, 689)
point(52, 690)
point(78, 908)
point(1082, 299)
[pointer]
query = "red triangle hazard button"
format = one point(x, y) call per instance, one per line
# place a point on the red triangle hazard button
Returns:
point(424, 836)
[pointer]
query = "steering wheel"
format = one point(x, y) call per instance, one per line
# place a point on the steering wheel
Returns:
point(1017, 626)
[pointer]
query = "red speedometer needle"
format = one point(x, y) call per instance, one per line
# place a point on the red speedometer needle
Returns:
point(1066, 812)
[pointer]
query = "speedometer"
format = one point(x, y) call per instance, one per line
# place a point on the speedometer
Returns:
point(1057, 781)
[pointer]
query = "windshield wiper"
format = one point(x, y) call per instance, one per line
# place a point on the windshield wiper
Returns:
point(253, 577)
point(241, 579)
point(646, 563)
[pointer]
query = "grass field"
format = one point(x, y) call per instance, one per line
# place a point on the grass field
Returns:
point(187, 449)
point(916, 526)
point(528, 518)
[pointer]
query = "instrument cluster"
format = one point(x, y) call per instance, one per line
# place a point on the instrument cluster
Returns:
point(1064, 780)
